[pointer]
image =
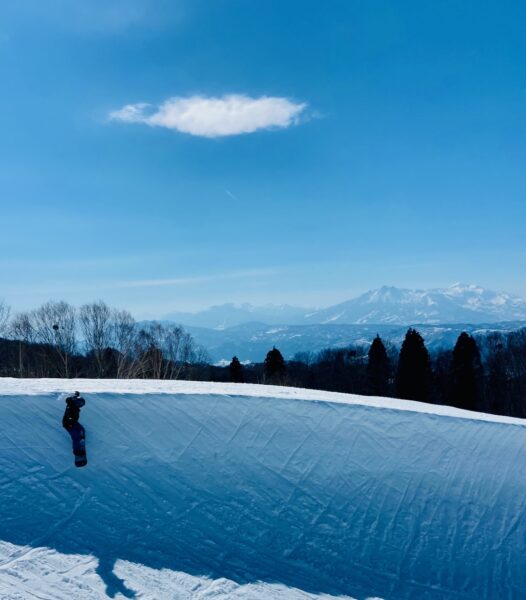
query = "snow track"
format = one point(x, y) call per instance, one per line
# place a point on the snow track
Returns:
point(210, 491)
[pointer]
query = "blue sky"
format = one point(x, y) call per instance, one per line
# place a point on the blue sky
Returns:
point(389, 149)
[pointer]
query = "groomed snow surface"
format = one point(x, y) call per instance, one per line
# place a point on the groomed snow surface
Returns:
point(202, 490)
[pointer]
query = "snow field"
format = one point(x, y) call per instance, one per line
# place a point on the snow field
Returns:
point(198, 490)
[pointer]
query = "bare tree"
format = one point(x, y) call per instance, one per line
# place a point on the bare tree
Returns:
point(22, 330)
point(113, 343)
point(180, 350)
point(123, 340)
point(149, 351)
point(163, 351)
point(55, 324)
point(5, 313)
point(97, 328)
point(178, 347)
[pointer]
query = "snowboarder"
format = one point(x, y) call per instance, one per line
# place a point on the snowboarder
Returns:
point(70, 422)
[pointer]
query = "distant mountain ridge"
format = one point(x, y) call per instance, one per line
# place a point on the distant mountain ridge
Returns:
point(459, 303)
point(251, 341)
point(230, 315)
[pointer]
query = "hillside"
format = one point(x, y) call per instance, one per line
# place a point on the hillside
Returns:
point(200, 490)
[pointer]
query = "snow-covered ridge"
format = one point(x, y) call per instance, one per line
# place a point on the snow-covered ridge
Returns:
point(14, 386)
point(459, 303)
point(199, 490)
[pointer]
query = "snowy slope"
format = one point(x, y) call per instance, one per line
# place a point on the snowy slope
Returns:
point(199, 490)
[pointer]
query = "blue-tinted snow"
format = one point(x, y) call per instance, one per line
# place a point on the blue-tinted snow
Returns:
point(361, 497)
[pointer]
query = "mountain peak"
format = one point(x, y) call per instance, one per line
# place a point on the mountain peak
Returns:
point(459, 303)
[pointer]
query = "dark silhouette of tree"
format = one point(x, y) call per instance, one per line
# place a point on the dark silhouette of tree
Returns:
point(378, 369)
point(413, 377)
point(236, 371)
point(516, 369)
point(465, 374)
point(274, 367)
point(441, 364)
point(498, 384)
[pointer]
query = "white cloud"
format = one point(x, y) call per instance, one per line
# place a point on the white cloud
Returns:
point(242, 274)
point(214, 117)
point(131, 113)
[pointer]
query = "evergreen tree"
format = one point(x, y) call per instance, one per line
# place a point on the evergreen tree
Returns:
point(236, 371)
point(413, 377)
point(465, 373)
point(441, 362)
point(274, 367)
point(378, 369)
point(498, 384)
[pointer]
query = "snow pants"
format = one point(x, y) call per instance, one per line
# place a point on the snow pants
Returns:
point(77, 433)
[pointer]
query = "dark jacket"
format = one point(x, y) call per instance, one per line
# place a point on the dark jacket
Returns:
point(73, 406)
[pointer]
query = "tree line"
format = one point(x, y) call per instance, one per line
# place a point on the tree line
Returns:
point(58, 340)
point(484, 373)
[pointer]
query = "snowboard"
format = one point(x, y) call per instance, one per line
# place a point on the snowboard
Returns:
point(81, 460)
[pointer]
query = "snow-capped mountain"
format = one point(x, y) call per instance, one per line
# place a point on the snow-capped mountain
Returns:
point(459, 303)
point(230, 314)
